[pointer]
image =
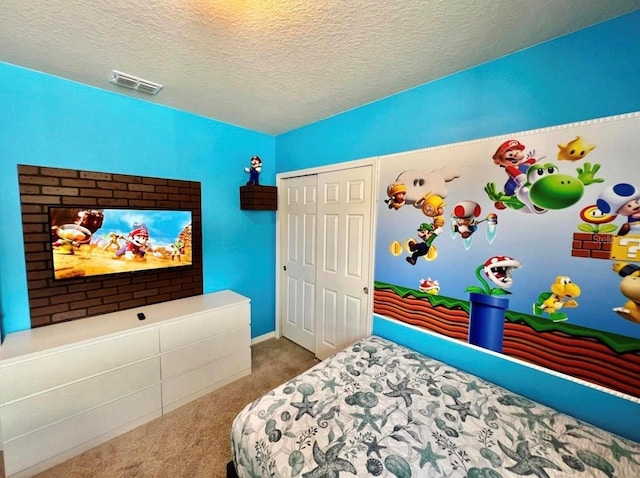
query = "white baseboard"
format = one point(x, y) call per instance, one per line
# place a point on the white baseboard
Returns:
point(262, 338)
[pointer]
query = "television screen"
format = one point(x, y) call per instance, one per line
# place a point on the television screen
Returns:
point(89, 242)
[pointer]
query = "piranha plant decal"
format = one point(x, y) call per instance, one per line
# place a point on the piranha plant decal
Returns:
point(486, 317)
point(498, 270)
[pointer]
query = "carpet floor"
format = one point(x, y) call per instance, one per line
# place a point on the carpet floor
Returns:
point(194, 440)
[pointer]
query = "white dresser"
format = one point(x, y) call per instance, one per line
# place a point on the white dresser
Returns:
point(67, 387)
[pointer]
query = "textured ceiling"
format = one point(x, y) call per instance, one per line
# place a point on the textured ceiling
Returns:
point(275, 65)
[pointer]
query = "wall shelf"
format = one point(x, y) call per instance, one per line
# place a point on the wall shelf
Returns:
point(258, 198)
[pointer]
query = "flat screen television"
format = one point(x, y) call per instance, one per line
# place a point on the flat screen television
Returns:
point(89, 242)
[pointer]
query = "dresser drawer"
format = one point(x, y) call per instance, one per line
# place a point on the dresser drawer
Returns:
point(64, 366)
point(200, 353)
point(190, 385)
point(208, 324)
point(59, 438)
point(37, 411)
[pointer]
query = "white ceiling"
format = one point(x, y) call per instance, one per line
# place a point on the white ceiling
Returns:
point(275, 65)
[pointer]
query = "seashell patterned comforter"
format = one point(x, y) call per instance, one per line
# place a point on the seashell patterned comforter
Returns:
point(379, 409)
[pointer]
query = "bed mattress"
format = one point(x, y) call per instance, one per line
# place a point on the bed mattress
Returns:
point(380, 409)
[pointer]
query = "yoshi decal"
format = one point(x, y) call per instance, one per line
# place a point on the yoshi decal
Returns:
point(543, 187)
point(562, 294)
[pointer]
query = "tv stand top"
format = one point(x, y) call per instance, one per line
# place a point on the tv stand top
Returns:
point(19, 345)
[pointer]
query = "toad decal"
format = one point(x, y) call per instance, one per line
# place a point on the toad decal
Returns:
point(622, 199)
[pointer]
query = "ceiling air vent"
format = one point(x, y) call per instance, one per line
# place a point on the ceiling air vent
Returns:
point(135, 83)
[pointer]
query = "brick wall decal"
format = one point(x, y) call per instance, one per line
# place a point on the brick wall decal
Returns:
point(53, 301)
point(592, 246)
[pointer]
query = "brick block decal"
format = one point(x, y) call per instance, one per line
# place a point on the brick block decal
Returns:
point(53, 301)
point(591, 246)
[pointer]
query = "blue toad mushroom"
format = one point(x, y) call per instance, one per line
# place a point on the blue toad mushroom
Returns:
point(622, 199)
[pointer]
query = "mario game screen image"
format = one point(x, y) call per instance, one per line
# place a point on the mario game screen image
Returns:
point(90, 242)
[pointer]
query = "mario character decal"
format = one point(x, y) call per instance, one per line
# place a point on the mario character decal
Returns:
point(510, 156)
point(622, 199)
point(563, 293)
point(574, 150)
point(630, 288)
point(464, 222)
point(427, 233)
point(136, 243)
point(254, 171)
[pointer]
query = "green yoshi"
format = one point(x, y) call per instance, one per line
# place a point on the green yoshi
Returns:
point(543, 187)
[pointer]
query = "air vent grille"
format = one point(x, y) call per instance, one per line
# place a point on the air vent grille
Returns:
point(134, 83)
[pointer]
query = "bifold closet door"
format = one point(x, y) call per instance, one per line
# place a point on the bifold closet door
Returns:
point(297, 203)
point(325, 229)
point(344, 215)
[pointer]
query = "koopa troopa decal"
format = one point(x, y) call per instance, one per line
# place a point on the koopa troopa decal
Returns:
point(564, 202)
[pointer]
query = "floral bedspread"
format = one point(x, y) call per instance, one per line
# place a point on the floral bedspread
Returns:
point(380, 409)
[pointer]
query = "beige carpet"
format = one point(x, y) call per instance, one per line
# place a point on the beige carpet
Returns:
point(192, 441)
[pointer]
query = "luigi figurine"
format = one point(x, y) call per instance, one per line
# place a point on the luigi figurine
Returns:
point(254, 170)
point(428, 233)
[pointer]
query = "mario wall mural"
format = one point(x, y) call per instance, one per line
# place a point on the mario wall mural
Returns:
point(561, 205)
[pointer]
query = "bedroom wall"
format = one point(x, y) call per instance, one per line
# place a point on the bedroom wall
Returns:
point(48, 121)
point(590, 74)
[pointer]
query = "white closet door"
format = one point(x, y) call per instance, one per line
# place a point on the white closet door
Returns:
point(297, 201)
point(344, 215)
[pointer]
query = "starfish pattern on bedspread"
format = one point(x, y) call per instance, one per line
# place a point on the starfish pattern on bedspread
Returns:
point(332, 384)
point(410, 416)
point(329, 464)
point(305, 406)
point(427, 455)
point(527, 464)
point(464, 409)
point(367, 418)
point(557, 445)
point(374, 447)
point(400, 389)
point(619, 452)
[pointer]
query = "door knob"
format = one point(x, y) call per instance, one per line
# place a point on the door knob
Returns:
point(365, 290)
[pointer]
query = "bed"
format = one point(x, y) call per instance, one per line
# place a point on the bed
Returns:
point(380, 409)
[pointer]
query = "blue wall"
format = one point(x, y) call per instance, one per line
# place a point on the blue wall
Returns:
point(47, 121)
point(589, 74)
point(52, 122)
